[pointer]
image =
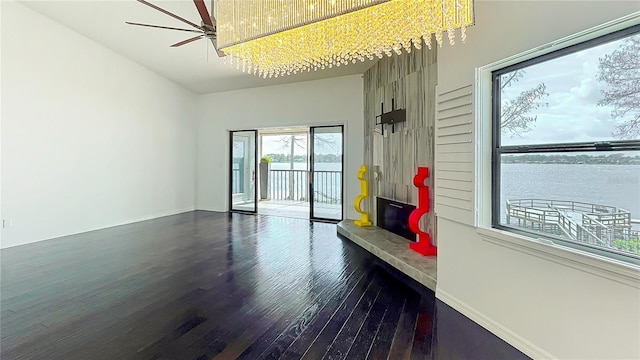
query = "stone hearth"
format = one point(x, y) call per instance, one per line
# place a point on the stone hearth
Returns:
point(394, 250)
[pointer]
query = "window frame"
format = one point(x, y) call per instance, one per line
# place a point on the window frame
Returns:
point(585, 147)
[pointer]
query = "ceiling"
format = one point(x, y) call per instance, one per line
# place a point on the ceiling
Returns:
point(195, 66)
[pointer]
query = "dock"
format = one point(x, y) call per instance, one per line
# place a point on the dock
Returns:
point(595, 224)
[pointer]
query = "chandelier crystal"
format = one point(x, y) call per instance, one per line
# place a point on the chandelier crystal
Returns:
point(282, 37)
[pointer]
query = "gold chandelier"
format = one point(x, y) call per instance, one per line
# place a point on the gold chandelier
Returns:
point(280, 37)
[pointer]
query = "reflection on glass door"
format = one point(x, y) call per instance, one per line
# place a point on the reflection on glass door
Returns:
point(243, 171)
point(326, 173)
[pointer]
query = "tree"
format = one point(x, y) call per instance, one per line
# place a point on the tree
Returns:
point(514, 115)
point(299, 140)
point(290, 142)
point(621, 71)
point(631, 245)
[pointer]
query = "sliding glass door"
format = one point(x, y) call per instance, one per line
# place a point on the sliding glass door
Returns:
point(242, 171)
point(326, 168)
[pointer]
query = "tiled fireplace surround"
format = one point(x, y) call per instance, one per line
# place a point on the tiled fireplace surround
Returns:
point(394, 153)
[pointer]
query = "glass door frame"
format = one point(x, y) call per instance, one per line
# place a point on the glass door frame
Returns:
point(311, 145)
point(255, 167)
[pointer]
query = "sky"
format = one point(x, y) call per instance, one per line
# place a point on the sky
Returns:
point(572, 114)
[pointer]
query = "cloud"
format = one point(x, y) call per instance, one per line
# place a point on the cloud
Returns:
point(588, 92)
point(572, 114)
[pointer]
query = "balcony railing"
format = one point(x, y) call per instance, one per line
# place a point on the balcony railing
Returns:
point(236, 181)
point(294, 185)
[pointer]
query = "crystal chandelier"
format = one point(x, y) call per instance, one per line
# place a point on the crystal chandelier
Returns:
point(280, 37)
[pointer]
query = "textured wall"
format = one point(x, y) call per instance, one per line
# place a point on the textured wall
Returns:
point(410, 79)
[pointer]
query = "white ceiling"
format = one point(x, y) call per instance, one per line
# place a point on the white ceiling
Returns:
point(195, 66)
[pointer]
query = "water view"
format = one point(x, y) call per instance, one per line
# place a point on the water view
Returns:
point(598, 204)
point(569, 134)
point(613, 185)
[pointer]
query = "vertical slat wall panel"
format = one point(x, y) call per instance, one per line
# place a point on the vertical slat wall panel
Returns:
point(409, 79)
point(454, 155)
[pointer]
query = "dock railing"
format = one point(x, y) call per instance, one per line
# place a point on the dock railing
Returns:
point(590, 223)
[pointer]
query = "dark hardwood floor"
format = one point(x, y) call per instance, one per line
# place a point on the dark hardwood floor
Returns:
point(206, 285)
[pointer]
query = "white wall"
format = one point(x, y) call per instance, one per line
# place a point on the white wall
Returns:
point(548, 307)
point(89, 138)
point(336, 101)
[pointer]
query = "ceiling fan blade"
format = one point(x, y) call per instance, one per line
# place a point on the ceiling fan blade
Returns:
point(187, 41)
point(170, 14)
point(204, 14)
point(162, 27)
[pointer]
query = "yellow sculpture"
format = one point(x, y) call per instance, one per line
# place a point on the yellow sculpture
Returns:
point(364, 190)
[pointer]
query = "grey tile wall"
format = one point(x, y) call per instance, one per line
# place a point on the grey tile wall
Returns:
point(409, 79)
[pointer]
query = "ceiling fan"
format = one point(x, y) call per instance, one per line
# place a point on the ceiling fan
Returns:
point(206, 29)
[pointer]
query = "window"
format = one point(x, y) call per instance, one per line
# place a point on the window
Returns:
point(566, 146)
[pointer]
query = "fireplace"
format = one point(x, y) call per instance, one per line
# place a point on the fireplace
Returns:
point(393, 216)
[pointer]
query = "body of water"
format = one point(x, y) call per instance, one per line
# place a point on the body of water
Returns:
point(612, 185)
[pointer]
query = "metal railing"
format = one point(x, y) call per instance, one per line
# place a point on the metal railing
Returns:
point(609, 232)
point(539, 210)
point(294, 185)
point(614, 220)
point(567, 205)
point(236, 181)
point(599, 225)
point(288, 185)
point(327, 187)
point(578, 232)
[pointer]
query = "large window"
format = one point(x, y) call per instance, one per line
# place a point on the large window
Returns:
point(566, 146)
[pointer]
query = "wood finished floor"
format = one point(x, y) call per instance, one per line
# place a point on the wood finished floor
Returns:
point(205, 285)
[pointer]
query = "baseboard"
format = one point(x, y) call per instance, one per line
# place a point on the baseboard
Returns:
point(212, 211)
point(211, 208)
point(495, 328)
point(127, 222)
point(150, 217)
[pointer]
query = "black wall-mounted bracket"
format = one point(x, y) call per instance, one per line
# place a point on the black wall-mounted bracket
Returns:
point(392, 117)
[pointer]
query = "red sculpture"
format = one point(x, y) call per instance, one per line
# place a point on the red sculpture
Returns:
point(424, 245)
